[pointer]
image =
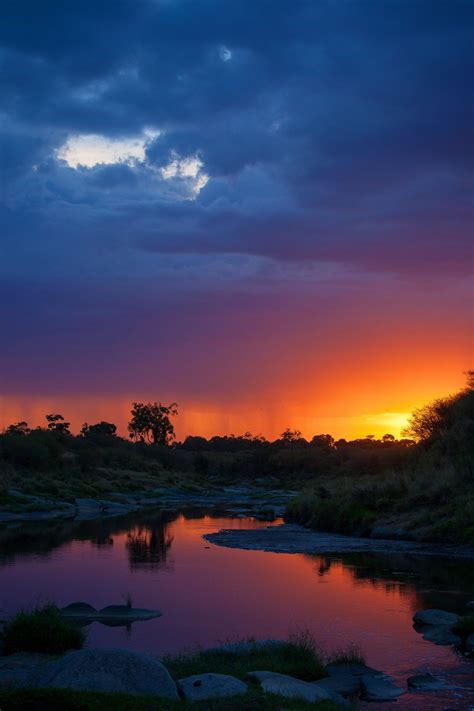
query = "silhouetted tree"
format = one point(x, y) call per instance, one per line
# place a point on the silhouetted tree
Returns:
point(57, 423)
point(106, 429)
point(151, 422)
point(18, 428)
point(388, 438)
point(290, 435)
point(323, 440)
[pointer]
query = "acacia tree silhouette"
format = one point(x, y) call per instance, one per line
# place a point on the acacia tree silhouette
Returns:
point(151, 422)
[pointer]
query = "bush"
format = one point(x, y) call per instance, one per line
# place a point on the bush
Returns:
point(298, 658)
point(42, 630)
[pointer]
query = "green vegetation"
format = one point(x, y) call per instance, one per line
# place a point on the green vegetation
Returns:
point(41, 630)
point(429, 496)
point(298, 658)
point(65, 700)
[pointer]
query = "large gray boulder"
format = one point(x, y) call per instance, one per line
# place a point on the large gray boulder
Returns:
point(289, 687)
point(440, 634)
point(435, 617)
point(379, 688)
point(107, 670)
point(210, 686)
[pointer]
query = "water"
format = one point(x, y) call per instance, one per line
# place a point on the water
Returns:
point(210, 594)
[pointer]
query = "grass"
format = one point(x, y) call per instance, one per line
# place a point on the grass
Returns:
point(465, 626)
point(66, 700)
point(41, 630)
point(351, 654)
point(434, 504)
point(298, 657)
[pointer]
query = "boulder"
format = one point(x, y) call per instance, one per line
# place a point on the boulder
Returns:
point(435, 617)
point(425, 682)
point(210, 686)
point(107, 670)
point(289, 687)
point(353, 668)
point(469, 644)
point(78, 609)
point(344, 684)
point(440, 634)
point(379, 688)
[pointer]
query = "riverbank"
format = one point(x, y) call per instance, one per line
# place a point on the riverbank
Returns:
point(293, 538)
point(258, 502)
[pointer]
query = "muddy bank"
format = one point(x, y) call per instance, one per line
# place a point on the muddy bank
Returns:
point(292, 538)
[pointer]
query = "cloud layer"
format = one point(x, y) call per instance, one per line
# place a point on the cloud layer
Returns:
point(178, 170)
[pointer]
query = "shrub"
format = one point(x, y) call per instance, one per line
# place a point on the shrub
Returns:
point(41, 630)
point(298, 657)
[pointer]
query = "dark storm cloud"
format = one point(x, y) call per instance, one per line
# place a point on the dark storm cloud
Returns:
point(334, 131)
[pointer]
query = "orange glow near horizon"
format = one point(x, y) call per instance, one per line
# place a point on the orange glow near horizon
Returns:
point(348, 414)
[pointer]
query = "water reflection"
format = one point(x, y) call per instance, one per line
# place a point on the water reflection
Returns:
point(445, 582)
point(148, 548)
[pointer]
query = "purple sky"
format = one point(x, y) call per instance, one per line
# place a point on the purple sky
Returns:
point(261, 210)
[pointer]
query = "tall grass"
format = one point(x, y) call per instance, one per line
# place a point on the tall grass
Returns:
point(41, 630)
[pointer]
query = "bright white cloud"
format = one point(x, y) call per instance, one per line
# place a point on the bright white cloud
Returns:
point(92, 149)
point(189, 169)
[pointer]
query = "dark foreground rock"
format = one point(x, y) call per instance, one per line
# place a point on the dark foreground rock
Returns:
point(107, 670)
point(440, 634)
point(425, 682)
point(288, 686)
point(201, 687)
point(435, 617)
point(344, 679)
point(379, 688)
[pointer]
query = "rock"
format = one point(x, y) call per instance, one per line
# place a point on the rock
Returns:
point(107, 670)
point(124, 612)
point(78, 609)
point(440, 634)
point(353, 668)
point(210, 686)
point(345, 684)
point(111, 613)
point(379, 688)
point(469, 644)
point(470, 605)
point(16, 669)
point(425, 682)
point(87, 509)
point(435, 617)
point(289, 687)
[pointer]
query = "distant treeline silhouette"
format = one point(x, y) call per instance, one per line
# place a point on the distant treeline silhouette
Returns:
point(152, 449)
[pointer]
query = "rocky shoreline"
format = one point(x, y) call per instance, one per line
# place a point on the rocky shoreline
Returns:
point(293, 538)
point(238, 501)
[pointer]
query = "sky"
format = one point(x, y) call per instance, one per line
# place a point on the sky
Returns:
point(260, 210)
